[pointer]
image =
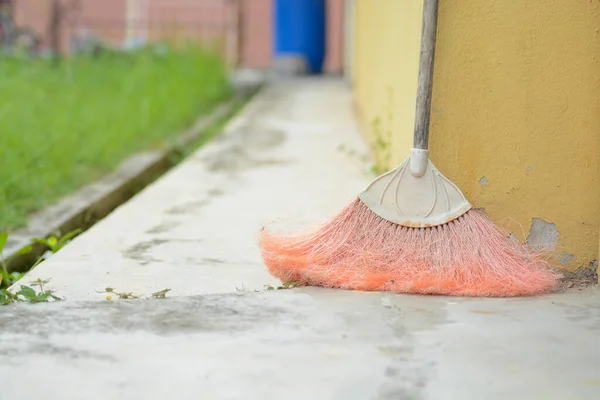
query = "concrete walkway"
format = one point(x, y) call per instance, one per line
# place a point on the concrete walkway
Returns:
point(295, 151)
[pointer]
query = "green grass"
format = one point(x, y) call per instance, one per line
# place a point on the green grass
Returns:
point(63, 127)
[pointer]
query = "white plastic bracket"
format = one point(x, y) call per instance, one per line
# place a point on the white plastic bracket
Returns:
point(419, 159)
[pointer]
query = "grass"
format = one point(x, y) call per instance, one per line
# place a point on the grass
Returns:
point(63, 127)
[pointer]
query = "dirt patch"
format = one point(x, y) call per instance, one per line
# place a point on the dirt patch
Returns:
point(245, 146)
point(163, 228)
point(172, 316)
point(585, 276)
point(139, 251)
point(187, 207)
point(243, 151)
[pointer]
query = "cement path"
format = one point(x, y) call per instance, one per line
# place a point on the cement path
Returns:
point(294, 151)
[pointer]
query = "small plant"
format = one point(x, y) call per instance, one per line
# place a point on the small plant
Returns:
point(383, 135)
point(129, 295)
point(28, 294)
point(287, 285)
point(243, 288)
point(7, 297)
point(8, 278)
point(123, 296)
point(161, 294)
point(54, 244)
point(373, 170)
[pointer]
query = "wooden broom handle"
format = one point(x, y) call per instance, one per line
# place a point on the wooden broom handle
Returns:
point(425, 82)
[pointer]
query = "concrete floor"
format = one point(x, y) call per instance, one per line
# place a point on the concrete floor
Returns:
point(304, 343)
point(294, 151)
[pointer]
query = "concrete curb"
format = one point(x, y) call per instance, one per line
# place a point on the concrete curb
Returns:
point(98, 199)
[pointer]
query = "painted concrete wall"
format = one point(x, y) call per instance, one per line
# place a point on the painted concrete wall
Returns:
point(334, 46)
point(515, 113)
point(205, 20)
point(384, 77)
point(256, 33)
point(117, 20)
point(110, 16)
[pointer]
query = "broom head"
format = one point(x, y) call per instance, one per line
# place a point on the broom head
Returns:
point(410, 231)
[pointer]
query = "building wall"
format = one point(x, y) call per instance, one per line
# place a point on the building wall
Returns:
point(349, 24)
point(384, 76)
point(107, 16)
point(515, 110)
point(209, 21)
point(205, 20)
point(334, 46)
point(256, 33)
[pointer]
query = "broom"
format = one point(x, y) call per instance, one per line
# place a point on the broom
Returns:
point(411, 230)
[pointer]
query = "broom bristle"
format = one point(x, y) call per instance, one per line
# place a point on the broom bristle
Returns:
point(358, 250)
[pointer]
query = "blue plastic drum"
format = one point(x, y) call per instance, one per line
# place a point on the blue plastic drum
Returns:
point(300, 30)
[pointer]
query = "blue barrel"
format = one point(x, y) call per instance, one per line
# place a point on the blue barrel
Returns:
point(300, 30)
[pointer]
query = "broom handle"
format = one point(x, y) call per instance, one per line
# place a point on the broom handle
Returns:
point(423, 109)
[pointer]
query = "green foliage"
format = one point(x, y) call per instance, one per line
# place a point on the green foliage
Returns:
point(161, 294)
point(28, 294)
point(54, 244)
point(383, 136)
point(7, 278)
point(121, 295)
point(7, 297)
point(63, 127)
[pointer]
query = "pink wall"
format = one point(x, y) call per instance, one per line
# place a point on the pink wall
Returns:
point(334, 58)
point(106, 18)
point(256, 33)
point(204, 20)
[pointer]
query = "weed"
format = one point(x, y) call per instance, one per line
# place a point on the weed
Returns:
point(161, 294)
point(54, 244)
point(123, 296)
point(373, 170)
point(8, 278)
point(7, 297)
point(383, 135)
point(28, 294)
point(286, 285)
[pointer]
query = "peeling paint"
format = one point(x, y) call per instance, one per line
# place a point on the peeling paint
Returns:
point(587, 273)
point(542, 235)
point(565, 258)
point(483, 181)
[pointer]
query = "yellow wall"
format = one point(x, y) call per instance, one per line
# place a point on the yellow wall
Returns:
point(515, 112)
point(385, 71)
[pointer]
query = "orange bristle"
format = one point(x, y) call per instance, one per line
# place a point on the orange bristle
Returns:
point(358, 250)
